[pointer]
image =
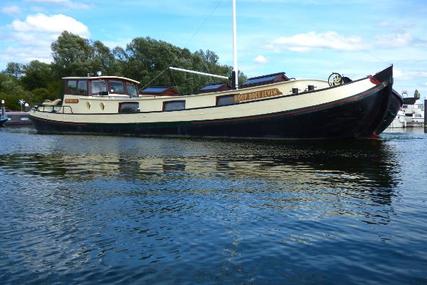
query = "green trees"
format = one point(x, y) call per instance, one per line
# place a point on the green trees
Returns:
point(33, 82)
point(147, 60)
point(73, 55)
point(417, 94)
point(143, 59)
point(11, 91)
point(36, 74)
point(14, 69)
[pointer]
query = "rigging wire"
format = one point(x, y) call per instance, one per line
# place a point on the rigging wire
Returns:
point(155, 77)
point(197, 30)
point(202, 23)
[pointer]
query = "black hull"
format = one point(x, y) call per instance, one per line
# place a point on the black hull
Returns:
point(394, 105)
point(361, 116)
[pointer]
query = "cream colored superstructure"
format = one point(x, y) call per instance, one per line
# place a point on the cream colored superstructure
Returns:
point(200, 107)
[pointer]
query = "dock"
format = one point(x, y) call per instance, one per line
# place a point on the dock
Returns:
point(18, 119)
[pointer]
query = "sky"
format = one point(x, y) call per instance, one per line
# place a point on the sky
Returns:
point(304, 38)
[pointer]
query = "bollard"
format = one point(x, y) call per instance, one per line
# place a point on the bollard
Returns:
point(2, 114)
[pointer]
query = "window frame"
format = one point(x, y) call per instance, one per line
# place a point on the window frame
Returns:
point(123, 87)
point(218, 98)
point(79, 90)
point(122, 105)
point(71, 90)
point(165, 103)
point(91, 87)
point(127, 84)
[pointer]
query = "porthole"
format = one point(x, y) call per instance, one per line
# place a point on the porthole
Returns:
point(102, 105)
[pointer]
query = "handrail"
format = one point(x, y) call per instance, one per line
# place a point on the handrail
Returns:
point(68, 106)
point(54, 109)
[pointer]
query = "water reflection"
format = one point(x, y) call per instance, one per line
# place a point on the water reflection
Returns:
point(99, 206)
point(361, 165)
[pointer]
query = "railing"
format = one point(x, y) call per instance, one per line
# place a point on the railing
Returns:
point(54, 109)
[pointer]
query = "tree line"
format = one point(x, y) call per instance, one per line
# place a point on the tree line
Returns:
point(144, 59)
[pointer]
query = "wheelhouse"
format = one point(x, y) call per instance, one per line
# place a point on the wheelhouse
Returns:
point(101, 86)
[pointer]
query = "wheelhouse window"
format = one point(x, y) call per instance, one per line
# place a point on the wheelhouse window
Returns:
point(82, 87)
point(98, 87)
point(131, 89)
point(71, 87)
point(116, 87)
point(174, 105)
point(76, 87)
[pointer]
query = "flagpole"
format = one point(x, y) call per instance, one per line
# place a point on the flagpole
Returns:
point(235, 66)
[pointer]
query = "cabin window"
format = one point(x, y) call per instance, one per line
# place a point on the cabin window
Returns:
point(174, 105)
point(116, 87)
point(99, 87)
point(132, 90)
point(129, 107)
point(82, 87)
point(71, 86)
point(225, 100)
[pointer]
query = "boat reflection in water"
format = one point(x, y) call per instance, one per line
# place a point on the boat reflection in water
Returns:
point(88, 208)
point(280, 174)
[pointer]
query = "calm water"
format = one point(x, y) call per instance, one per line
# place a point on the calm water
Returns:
point(87, 209)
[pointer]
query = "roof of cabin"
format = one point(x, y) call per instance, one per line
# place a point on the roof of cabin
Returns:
point(212, 87)
point(157, 89)
point(100, 77)
point(263, 79)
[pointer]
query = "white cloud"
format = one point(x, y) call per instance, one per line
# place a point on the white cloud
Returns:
point(408, 75)
point(66, 3)
point(261, 59)
point(311, 40)
point(25, 54)
point(50, 24)
point(395, 40)
point(398, 74)
point(11, 10)
point(31, 38)
point(421, 74)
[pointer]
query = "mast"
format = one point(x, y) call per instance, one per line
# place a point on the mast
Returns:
point(235, 75)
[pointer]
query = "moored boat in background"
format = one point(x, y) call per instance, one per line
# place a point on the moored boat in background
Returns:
point(413, 109)
point(411, 113)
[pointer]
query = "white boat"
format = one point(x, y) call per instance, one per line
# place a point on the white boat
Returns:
point(411, 114)
point(271, 106)
point(399, 121)
point(413, 109)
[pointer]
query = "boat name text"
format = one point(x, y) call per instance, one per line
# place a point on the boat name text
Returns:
point(257, 95)
point(71, 101)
